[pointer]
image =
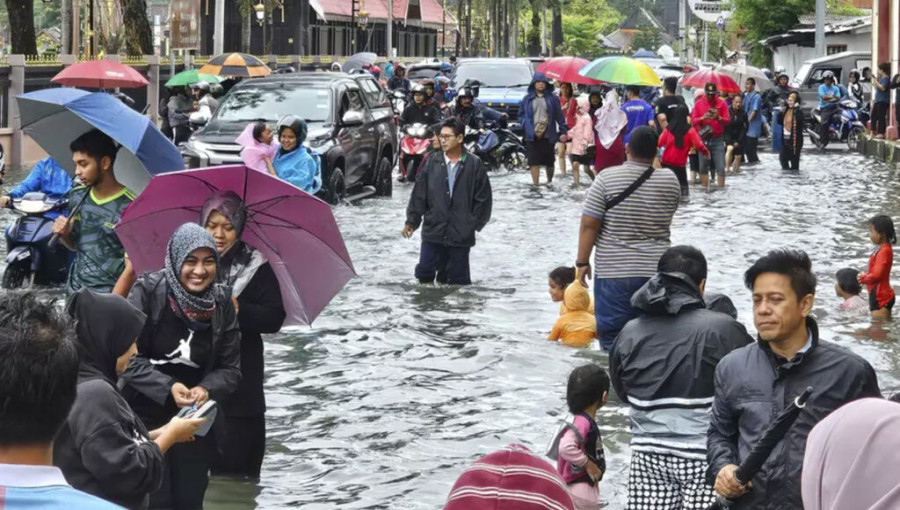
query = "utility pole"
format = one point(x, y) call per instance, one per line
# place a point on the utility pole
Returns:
point(820, 28)
point(682, 31)
point(705, 41)
point(219, 28)
point(390, 30)
point(444, 27)
point(544, 32)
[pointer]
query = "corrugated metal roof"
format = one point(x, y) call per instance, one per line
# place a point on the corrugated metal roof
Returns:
point(431, 11)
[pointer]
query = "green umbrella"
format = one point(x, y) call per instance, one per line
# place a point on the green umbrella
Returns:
point(621, 71)
point(189, 77)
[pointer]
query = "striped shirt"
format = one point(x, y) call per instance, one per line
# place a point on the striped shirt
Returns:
point(636, 232)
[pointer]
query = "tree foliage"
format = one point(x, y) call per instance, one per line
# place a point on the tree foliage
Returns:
point(765, 18)
point(582, 21)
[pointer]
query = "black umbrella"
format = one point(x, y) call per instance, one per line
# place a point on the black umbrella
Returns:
point(765, 444)
point(359, 60)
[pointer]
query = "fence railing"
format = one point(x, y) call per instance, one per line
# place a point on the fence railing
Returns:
point(49, 60)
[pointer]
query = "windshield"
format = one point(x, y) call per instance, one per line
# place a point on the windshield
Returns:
point(801, 74)
point(271, 103)
point(494, 75)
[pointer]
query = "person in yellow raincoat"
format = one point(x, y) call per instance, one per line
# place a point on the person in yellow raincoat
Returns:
point(577, 327)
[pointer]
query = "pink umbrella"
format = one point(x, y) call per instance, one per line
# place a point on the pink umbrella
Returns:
point(294, 230)
point(100, 74)
point(565, 69)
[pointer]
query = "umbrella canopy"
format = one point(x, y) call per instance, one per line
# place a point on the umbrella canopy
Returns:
point(236, 64)
point(358, 61)
point(621, 71)
point(100, 74)
point(55, 117)
point(740, 73)
point(642, 53)
point(565, 69)
point(294, 230)
point(190, 77)
point(699, 79)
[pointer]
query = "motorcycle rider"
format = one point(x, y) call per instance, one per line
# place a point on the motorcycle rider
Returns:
point(179, 108)
point(467, 111)
point(47, 177)
point(399, 81)
point(420, 111)
point(829, 100)
point(855, 88)
point(430, 98)
point(206, 103)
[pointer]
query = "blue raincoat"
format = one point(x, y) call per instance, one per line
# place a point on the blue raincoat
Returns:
point(300, 167)
point(48, 177)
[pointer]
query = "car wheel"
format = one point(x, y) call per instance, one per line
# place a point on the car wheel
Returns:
point(336, 190)
point(384, 186)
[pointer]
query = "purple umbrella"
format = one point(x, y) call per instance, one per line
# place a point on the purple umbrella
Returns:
point(294, 230)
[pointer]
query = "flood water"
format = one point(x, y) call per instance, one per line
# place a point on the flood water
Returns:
point(398, 387)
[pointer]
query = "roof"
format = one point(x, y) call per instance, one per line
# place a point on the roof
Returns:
point(414, 12)
point(835, 19)
point(807, 28)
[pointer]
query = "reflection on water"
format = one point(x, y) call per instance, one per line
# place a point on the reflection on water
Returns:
point(398, 387)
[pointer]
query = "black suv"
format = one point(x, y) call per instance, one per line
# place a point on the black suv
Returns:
point(350, 121)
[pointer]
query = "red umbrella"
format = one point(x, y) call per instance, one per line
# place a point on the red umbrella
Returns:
point(724, 83)
point(565, 69)
point(100, 74)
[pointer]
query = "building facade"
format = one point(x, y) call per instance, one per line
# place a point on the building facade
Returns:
point(886, 45)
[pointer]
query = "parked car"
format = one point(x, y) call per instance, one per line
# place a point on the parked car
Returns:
point(809, 77)
point(351, 124)
point(504, 82)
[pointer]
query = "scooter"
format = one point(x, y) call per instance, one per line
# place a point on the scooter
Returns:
point(498, 147)
point(846, 127)
point(29, 259)
point(413, 146)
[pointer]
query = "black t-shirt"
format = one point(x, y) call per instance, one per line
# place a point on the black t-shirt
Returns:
point(665, 104)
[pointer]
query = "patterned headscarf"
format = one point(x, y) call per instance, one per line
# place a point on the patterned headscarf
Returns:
point(186, 239)
point(229, 205)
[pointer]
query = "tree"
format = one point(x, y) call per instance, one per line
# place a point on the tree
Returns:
point(534, 31)
point(138, 35)
point(21, 26)
point(648, 38)
point(765, 18)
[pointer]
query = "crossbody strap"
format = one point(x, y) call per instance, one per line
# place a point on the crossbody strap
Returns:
point(630, 189)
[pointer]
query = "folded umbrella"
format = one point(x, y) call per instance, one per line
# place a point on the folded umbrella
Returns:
point(565, 69)
point(294, 230)
point(699, 79)
point(56, 117)
point(100, 74)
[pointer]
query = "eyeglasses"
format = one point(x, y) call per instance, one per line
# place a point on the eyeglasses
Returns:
point(446, 137)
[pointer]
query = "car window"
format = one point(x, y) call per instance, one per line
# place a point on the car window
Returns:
point(374, 94)
point(816, 78)
point(495, 74)
point(351, 100)
point(272, 102)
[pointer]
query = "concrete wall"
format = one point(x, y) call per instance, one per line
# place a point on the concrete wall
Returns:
point(31, 151)
point(792, 56)
point(885, 46)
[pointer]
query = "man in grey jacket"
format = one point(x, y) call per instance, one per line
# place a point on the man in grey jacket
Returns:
point(757, 382)
point(662, 364)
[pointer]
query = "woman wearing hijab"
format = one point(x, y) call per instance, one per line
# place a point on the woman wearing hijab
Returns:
point(189, 353)
point(256, 292)
point(851, 458)
point(293, 162)
point(677, 140)
point(609, 126)
point(104, 449)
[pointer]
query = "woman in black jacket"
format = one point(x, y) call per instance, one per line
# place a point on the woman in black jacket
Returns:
point(188, 353)
point(791, 117)
point(735, 132)
point(257, 297)
point(104, 449)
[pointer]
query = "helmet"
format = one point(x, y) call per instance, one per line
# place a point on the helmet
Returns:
point(443, 80)
point(425, 82)
point(296, 124)
point(465, 92)
point(418, 88)
point(827, 75)
point(399, 67)
point(216, 89)
point(201, 85)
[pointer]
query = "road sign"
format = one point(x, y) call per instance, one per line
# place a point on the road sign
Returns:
point(184, 20)
point(711, 10)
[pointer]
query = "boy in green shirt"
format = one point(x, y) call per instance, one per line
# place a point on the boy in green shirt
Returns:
point(100, 262)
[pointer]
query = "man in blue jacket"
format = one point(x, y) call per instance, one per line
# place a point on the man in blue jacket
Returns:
point(542, 119)
point(47, 177)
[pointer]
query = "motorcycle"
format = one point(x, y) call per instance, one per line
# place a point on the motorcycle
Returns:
point(498, 147)
point(845, 128)
point(414, 143)
point(30, 260)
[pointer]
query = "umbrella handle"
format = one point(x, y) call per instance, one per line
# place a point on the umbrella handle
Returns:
point(54, 239)
point(801, 399)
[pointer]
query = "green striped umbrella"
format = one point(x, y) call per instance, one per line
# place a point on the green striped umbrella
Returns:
point(190, 77)
point(621, 71)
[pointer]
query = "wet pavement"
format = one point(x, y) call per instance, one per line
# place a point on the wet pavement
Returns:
point(398, 386)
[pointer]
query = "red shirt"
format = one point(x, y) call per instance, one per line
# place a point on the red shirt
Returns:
point(674, 156)
point(570, 110)
point(878, 277)
point(701, 107)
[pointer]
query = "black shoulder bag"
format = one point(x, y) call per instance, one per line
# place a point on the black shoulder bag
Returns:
point(630, 189)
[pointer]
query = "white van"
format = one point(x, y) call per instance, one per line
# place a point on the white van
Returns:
point(809, 77)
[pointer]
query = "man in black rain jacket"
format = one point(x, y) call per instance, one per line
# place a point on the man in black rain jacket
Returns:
point(757, 383)
point(453, 194)
point(663, 365)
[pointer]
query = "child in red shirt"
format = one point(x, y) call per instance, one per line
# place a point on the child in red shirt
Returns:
point(676, 142)
point(877, 278)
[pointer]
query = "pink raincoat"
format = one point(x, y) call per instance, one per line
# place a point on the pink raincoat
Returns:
point(582, 133)
point(254, 151)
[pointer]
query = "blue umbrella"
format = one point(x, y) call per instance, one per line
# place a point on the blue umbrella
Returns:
point(55, 117)
point(642, 53)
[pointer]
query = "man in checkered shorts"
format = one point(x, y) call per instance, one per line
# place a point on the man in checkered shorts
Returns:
point(663, 365)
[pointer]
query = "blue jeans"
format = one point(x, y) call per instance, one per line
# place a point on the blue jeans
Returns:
point(716, 148)
point(612, 306)
point(447, 264)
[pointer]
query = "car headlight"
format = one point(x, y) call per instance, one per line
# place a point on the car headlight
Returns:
point(197, 146)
